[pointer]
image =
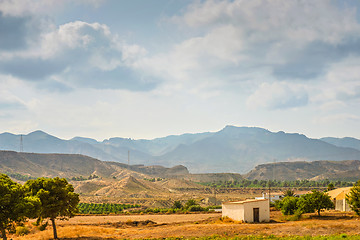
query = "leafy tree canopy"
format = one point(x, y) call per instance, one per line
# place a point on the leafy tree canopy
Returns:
point(177, 205)
point(353, 198)
point(330, 187)
point(289, 205)
point(14, 205)
point(57, 198)
point(314, 201)
point(190, 203)
point(289, 193)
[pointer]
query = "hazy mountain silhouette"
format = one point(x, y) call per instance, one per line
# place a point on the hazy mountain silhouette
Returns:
point(232, 149)
point(343, 142)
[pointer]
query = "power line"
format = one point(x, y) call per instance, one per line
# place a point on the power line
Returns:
point(128, 157)
point(21, 143)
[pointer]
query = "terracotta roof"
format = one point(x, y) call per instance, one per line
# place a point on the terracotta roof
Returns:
point(339, 193)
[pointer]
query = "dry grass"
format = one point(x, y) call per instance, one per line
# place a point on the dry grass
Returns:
point(103, 228)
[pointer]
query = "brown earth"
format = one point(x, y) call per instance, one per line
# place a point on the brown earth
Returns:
point(195, 225)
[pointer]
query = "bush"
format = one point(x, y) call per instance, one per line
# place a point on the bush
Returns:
point(278, 204)
point(190, 203)
point(42, 227)
point(226, 219)
point(196, 208)
point(314, 202)
point(177, 204)
point(353, 198)
point(22, 230)
point(289, 205)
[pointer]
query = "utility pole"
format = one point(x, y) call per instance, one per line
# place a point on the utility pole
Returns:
point(215, 195)
point(129, 158)
point(21, 143)
point(269, 191)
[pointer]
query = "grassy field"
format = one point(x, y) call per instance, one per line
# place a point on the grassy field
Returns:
point(332, 225)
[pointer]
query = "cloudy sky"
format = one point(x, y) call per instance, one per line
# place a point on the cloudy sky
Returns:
point(146, 69)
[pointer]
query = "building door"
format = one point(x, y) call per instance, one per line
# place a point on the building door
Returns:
point(256, 214)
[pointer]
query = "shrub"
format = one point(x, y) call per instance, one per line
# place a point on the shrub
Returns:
point(289, 205)
point(190, 203)
point(42, 227)
point(177, 204)
point(22, 230)
point(226, 219)
point(196, 208)
point(314, 202)
point(353, 198)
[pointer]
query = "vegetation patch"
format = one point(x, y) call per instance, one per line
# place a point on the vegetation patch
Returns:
point(246, 183)
point(104, 208)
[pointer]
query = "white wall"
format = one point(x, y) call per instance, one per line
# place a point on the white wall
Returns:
point(244, 211)
point(233, 211)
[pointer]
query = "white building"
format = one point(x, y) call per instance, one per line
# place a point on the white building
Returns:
point(273, 196)
point(252, 210)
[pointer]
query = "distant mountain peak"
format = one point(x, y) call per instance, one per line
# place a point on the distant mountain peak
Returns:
point(85, 140)
point(247, 130)
point(38, 133)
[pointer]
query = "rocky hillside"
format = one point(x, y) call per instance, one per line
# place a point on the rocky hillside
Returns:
point(317, 170)
point(75, 165)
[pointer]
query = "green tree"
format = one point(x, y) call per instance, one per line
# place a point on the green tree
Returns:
point(57, 198)
point(330, 187)
point(289, 193)
point(14, 205)
point(314, 202)
point(288, 205)
point(190, 203)
point(177, 204)
point(353, 198)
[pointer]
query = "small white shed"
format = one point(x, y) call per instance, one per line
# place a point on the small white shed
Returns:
point(252, 210)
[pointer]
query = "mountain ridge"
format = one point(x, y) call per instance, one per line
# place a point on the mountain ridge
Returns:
point(232, 149)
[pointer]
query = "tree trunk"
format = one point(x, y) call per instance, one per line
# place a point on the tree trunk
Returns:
point(3, 234)
point(54, 228)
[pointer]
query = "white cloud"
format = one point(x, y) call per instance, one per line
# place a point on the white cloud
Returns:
point(74, 51)
point(339, 87)
point(43, 7)
point(278, 95)
point(337, 118)
point(275, 19)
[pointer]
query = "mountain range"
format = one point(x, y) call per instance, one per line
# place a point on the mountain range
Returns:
point(232, 149)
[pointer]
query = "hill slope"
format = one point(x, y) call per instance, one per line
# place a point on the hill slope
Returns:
point(317, 170)
point(75, 165)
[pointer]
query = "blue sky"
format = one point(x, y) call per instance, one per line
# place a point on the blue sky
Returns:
point(146, 69)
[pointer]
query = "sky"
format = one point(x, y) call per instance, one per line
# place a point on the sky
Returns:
point(146, 69)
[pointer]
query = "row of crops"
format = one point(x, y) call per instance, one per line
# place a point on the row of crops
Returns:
point(104, 208)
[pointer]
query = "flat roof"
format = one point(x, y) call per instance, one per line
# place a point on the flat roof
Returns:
point(246, 201)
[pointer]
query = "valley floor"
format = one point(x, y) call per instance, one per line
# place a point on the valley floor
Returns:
point(195, 225)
